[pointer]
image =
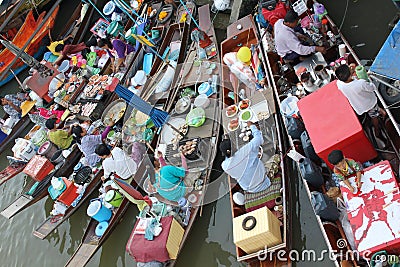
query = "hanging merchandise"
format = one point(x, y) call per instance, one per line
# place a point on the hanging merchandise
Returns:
point(200, 37)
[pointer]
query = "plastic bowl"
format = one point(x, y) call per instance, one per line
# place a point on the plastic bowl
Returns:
point(202, 101)
point(64, 66)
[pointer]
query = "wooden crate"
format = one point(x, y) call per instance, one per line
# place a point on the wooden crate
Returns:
point(174, 240)
point(266, 232)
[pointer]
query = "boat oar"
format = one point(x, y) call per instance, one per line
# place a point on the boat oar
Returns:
point(158, 116)
point(18, 81)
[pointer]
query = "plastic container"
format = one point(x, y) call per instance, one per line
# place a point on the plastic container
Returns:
point(129, 37)
point(39, 137)
point(24, 149)
point(196, 117)
point(205, 88)
point(70, 193)
point(115, 28)
point(47, 149)
point(289, 106)
point(324, 207)
point(38, 168)
point(57, 157)
point(114, 198)
point(311, 173)
point(97, 211)
point(361, 73)
point(101, 228)
point(308, 147)
point(202, 101)
point(147, 62)
point(64, 66)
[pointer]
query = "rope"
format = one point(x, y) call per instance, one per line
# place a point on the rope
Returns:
point(344, 15)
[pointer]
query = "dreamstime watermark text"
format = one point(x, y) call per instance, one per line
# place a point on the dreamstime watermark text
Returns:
point(310, 255)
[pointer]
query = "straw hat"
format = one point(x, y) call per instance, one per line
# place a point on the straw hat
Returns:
point(26, 106)
point(140, 78)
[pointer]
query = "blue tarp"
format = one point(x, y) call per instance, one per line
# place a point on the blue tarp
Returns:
point(387, 62)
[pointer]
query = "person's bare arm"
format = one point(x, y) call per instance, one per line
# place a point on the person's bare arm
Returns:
point(347, 183)
point(358, 177)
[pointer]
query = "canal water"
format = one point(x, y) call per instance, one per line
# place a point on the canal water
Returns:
point(210, 243)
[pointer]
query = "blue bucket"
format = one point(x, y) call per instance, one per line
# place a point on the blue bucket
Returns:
point(101, 228)
point(98, 212)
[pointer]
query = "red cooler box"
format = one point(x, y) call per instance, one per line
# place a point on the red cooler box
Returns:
point(38, 167)
point(332, 124)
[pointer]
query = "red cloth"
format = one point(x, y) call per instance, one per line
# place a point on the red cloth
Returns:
point(273, 16)
point(374, 211)
point(143, 250)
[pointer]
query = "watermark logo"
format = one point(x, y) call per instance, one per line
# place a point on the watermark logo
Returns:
point(341, 243)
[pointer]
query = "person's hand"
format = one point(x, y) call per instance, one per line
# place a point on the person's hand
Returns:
point(321, 49)
point(103, 178)
point(111, 123)
point(159, 154)
point(358, 184)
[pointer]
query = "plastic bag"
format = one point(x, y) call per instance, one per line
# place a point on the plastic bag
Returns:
point(344, 220)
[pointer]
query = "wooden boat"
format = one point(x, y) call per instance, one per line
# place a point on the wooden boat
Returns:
point(16, 131)
point(209, 135)
point(337, 239)
point(21, 38)
point(10, 171)
point(176, 33)
point(274, 141)
point(53, 221)
point(33, 192)
point(22, 8)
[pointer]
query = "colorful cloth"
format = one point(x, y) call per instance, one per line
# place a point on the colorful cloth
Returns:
point(9, 109)
point(266, 198)
point(352, 167)
point(52, 47)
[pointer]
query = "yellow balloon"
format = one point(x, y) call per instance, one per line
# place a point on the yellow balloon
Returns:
point(244, 54)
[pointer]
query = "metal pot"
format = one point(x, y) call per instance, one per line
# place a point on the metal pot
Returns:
point(57, 157)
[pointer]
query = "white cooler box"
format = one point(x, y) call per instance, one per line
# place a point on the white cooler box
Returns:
point(24, 149)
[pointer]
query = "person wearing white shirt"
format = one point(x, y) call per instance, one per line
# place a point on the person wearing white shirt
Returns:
point(360, 94)
point(116, 161)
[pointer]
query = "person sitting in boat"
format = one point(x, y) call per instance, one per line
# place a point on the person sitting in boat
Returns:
point(67, 50)
point(169, 179)
point(12, 105)
point(289, 37)
point(52, 47)
point(88, 143)
point(117, 50)
point(361, 96)
point(62, 139)
point(244, 165)
point(344, 168)
point(116, 161)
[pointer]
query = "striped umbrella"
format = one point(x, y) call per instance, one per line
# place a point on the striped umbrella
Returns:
point(132, 194)
point(158, 116)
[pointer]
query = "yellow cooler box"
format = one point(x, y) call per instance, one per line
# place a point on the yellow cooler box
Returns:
point(256, 230)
